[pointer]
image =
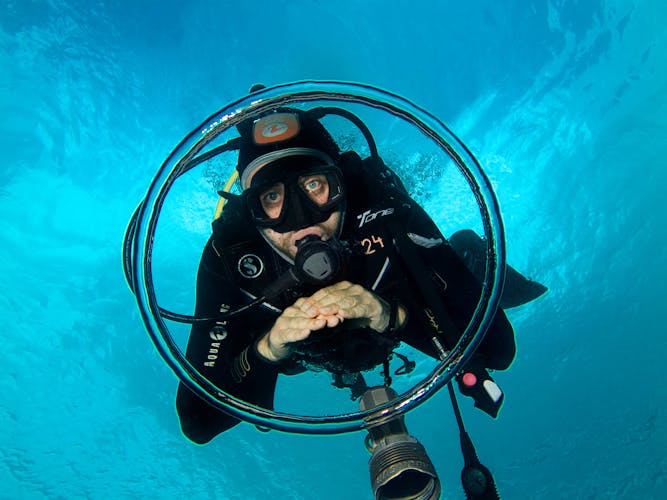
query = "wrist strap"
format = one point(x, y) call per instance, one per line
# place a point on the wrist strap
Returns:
point(393, 328)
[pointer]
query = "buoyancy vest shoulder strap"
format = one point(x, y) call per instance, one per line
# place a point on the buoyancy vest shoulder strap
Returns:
point(415, 264)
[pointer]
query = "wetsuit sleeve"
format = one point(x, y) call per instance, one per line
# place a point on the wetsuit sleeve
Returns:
point(457, 287)
point(225, 353)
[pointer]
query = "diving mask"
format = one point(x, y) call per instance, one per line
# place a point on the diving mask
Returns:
point(293, 193)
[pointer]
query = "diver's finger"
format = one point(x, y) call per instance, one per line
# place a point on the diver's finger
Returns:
point(294, 318)
point(314, 305)
point(333, 320)
point(297, 312)
point(333, 294)
point(327, 305)
point(349, 299)
point(336, 287)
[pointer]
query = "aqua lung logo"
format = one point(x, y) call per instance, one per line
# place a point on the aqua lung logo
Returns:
point(217, 334)
point(250, 266)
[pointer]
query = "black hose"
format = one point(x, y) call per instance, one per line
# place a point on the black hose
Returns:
point(477, 480)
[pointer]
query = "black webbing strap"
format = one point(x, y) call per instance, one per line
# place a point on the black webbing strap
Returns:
point(413, 261)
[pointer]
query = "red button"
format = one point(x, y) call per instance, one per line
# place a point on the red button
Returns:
point(469, 379)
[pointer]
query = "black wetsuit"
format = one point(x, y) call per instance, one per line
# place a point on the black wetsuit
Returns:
point(237, 265)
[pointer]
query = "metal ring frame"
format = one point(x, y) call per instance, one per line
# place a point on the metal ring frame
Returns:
point(261, 102)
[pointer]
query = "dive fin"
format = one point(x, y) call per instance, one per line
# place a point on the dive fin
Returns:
point(518, 289)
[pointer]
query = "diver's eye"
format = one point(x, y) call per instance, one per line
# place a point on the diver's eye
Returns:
point(271, 197)
point(272, 200)
point(316, 187)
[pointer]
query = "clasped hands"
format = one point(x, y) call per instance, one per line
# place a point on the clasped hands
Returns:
point(326, 308)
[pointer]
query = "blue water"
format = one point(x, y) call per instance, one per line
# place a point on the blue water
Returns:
point(565, 105)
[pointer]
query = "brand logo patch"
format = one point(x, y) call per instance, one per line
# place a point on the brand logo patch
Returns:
point(250, 266)
point(276, 127)
point(369, 216)
point(217, 333)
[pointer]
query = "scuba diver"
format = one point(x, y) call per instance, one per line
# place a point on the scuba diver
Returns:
point(349, 266)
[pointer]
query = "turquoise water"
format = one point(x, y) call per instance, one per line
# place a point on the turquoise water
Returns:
point(564, 104)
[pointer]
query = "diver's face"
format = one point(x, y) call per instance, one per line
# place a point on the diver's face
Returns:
point(286, 242)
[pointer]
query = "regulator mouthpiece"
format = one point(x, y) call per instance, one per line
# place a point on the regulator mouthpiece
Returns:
point(317, 261)
point(399, 467)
